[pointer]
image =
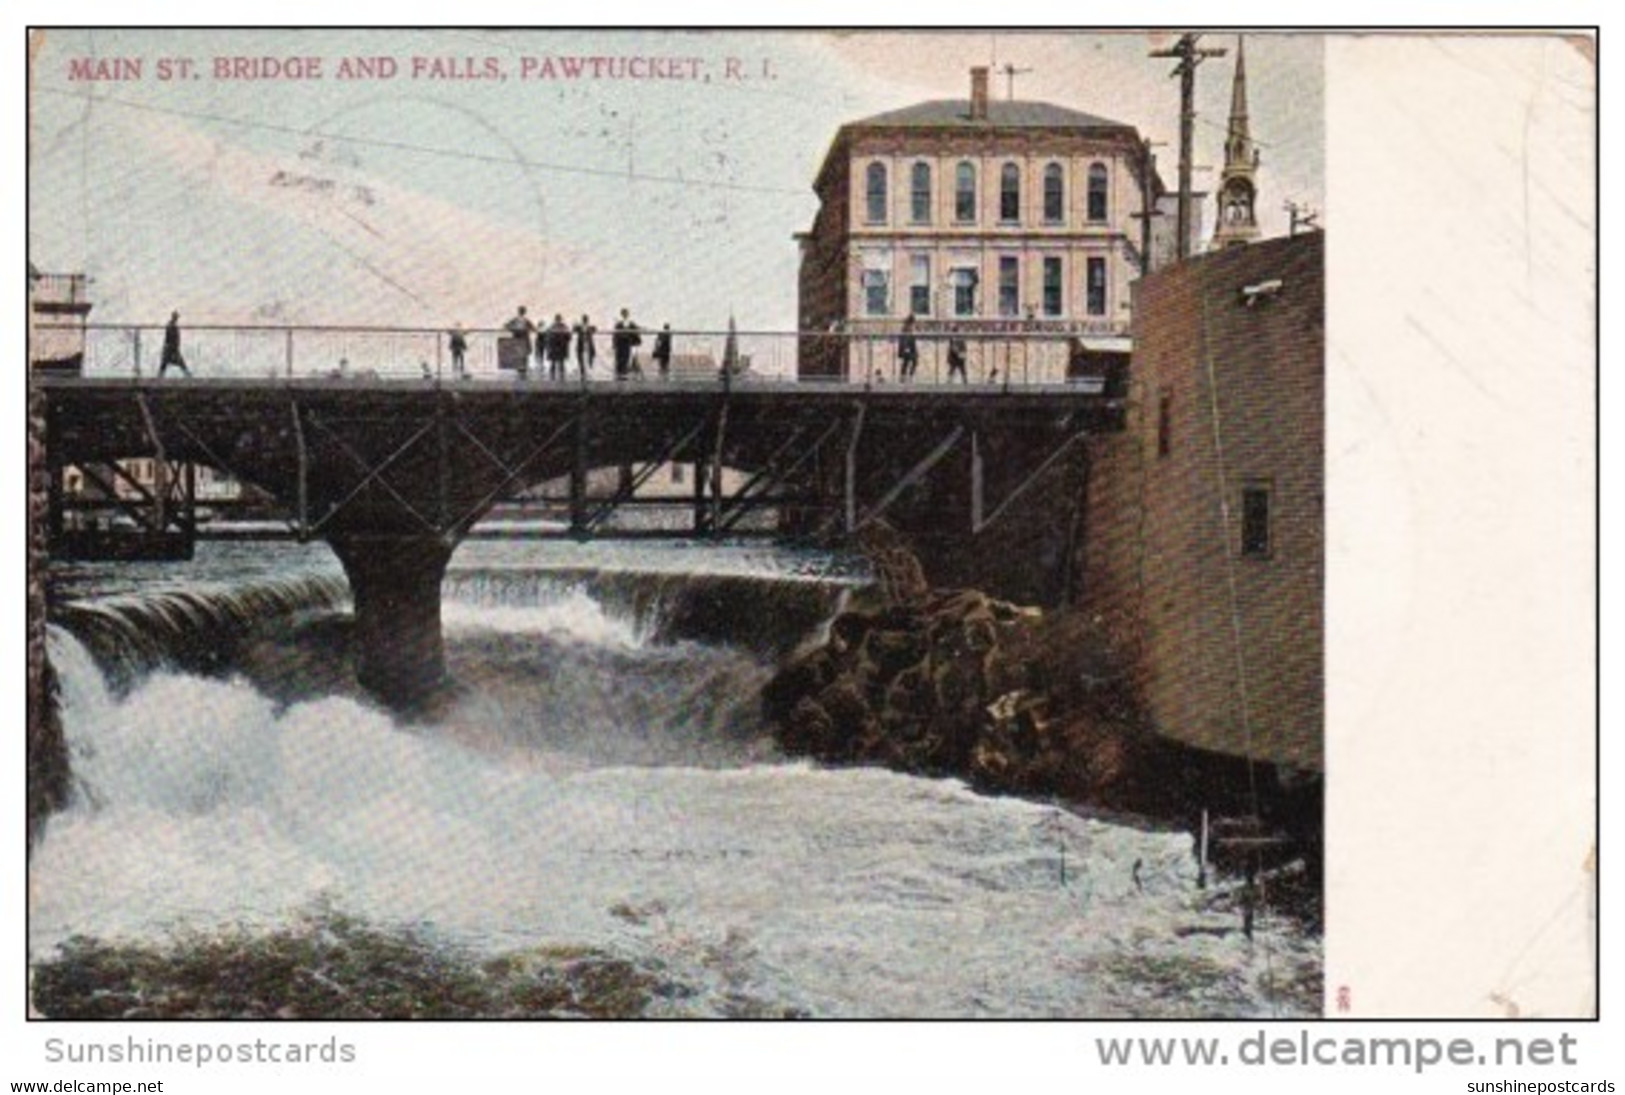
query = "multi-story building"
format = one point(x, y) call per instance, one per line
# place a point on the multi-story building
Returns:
point(60, 306)
point(1206, 514)
point(982, 216)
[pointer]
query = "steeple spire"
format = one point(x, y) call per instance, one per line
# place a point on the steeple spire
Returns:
point(1238, 101)
point(1238, 193)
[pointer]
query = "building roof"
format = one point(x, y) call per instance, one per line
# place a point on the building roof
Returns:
point(1020, 113)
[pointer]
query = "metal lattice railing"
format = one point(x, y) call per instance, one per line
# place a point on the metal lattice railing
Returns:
point(1007, 355)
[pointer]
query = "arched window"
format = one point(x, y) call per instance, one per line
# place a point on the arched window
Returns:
point(875, 190)
point(1097, 192)
point(965, 192)
point(1009, 194)
point(919, 194)
point(1054, 195)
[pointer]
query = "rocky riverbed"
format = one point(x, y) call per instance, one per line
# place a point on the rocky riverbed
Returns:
point(1015, 700)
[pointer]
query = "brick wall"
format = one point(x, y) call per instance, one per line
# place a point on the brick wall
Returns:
point(1238, 393)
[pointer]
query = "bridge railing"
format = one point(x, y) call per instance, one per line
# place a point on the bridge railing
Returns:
point(1009, 355)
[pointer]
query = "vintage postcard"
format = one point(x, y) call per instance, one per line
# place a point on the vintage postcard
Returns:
point(810, 524)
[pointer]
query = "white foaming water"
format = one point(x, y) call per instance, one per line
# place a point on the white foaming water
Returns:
point(850, 892)
point(568, 612)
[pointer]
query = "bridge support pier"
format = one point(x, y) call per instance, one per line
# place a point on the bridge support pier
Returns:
point(400, 655)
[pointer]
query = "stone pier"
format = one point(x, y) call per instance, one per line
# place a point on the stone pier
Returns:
point(400, 654)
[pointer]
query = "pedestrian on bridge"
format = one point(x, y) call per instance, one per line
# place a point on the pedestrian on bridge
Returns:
point(956, 358)
point(908, 351)
point(172, 347)
point(586, 347)
point(625, 338)
point(662, 352)
point(520, 329)
point(459, 351)
point(557, 339)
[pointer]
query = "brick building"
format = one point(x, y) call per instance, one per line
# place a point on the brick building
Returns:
point(1206, 515)
point(983, 215)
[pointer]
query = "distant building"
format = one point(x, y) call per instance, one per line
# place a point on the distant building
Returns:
point(985, 215)
point(61, 305)
point(1206, 539)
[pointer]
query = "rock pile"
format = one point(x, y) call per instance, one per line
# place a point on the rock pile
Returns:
point(962, 684)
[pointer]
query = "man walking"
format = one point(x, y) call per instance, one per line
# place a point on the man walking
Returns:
point(908, 351)
point(459, 352)
point(586, 347)
point(558, 346)
point(172, 347)
point(626, 337)
point(956, 358)
point(662, 352)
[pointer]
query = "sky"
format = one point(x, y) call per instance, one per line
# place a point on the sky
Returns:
point(413, 189)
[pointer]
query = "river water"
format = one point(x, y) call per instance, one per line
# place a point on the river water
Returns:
point(601, 779)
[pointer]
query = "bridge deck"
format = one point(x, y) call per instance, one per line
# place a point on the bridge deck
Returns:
point(1079, 393)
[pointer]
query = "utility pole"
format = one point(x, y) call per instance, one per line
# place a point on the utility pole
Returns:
point(1010, 73)
point(1189, 56)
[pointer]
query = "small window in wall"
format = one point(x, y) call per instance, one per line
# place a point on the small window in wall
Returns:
point(1009, 285)
point(876, 293)
point(1255, 520)
point(1096, 287)
point(1165, 423)
point(919, 197)
point(965, 193)
point(875, 190)
point(965, 279)
point(919, 285)
point(1009, 194)
point(1054, 296)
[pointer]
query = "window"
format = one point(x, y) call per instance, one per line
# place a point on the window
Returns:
point(1096, 303)
point(1054, 195)
point(965, 193)
point(965, 279)
point(1009, 194)
point(1009, 285)
point(876, 293)
point(919, 194)
point(875, 189)
point(1054, 296)
point(919, 285)
point(1097, 192)
point(1165, 423)
point(1255, 520)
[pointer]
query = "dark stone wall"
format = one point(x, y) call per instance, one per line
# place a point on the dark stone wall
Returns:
point(47, 750)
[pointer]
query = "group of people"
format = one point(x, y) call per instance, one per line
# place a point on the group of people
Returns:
point(908, 353)
point(551, 345)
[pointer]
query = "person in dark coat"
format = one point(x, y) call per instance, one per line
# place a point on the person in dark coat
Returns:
point(172, 347)
point(586, 347)
point(956, 358)
point(908, 351)
point(662, 351)
point(625, 338)
point(558, 347)
point(459, 352)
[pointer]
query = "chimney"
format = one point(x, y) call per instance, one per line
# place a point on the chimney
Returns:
point(978, 93)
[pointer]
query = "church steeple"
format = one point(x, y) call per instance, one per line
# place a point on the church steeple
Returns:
point(1238, 220)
